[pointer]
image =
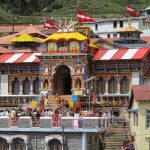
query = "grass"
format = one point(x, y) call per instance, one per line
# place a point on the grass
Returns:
point(95, 8)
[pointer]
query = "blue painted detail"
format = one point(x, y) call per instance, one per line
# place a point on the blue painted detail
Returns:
point(46, 63)
point(37, 98)
point(80, 46)
point(74, 98)
point(78, 62)
point(80, 122)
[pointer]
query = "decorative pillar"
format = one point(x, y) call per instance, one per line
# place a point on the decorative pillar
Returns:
point(10, 146)
point(10, 87)
point(31, 86)
point(118, 85)
point(84, 141)
point(106, 87)
point(26, 146)
point(21, 86)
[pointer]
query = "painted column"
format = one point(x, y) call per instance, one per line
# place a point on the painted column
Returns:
point(21, 87)
point(84, 141)
point(106, 88)
point(31, 87)
point(10, 146)
point(10, 87)
point(118, 85)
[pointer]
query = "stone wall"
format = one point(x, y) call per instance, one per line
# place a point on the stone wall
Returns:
point(36, 140)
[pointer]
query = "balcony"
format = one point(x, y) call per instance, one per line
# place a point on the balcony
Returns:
point(50, 123)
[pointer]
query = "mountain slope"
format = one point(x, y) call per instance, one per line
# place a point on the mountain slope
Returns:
point(34, 11)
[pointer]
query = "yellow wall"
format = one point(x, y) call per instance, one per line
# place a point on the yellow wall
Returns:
point(142, 134)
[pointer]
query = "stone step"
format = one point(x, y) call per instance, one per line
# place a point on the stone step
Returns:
point(53, 103)
point(113, 148)
point(114, 142)
point(113, 139)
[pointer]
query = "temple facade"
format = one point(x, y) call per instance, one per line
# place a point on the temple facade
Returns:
point(71, 66)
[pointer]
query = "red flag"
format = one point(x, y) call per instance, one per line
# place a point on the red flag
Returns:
point(131, 11)
point(82, 17)
point(49, 24)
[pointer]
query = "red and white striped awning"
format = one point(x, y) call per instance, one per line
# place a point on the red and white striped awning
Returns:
point(121, 54)
point(25, 57)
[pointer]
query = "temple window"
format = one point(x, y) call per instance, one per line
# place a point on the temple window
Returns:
point(26, 86)
point(108, 35)
point(96, 26)
point(121, 24)
point(36, 86)
point(45, 84)
point(16, 86)
point(52, 46)
point(124, 85)
point(62, 46)
point(101, 85)
point(74, 46)
point(115, 24)
point(78, 69)
point(114, 35)
point(112, 86)
point(78, 84)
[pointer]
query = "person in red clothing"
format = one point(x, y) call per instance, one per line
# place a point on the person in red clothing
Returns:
point(56, 119)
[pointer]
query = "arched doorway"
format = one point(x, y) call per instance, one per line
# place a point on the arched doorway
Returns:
point(54, 144)
point(115, 112)
point(3, 144)
point(62, 80)
point(18, 144)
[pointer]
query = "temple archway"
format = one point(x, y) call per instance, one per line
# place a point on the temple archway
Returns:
point(54, 144)
point(62, 80)
point(18, 144)
point(3, 144)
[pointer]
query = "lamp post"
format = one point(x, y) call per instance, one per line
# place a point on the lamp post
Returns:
point(89, 90)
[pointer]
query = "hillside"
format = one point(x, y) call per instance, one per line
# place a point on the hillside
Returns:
point(30, 11)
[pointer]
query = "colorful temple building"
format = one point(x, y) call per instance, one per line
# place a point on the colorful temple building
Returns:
point(67, 63)
point(73, 67)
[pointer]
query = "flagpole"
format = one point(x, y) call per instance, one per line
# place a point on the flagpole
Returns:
point(129, 19)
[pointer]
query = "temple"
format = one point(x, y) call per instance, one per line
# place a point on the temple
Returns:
point(93, 78)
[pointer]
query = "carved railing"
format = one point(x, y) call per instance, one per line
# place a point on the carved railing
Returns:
point(53, 122)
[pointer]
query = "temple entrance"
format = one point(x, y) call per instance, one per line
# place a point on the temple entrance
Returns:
point(3, 144)
point(55, 145)
point(18, 144)
point(115, 112)
point(62, 80)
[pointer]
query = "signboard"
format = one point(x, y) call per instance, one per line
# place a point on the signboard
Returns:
point(74, 98)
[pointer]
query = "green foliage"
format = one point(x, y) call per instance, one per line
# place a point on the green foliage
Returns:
point(33, 9)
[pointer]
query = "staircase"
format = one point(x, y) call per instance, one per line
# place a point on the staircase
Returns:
point(114, 137)
point(53, 102)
